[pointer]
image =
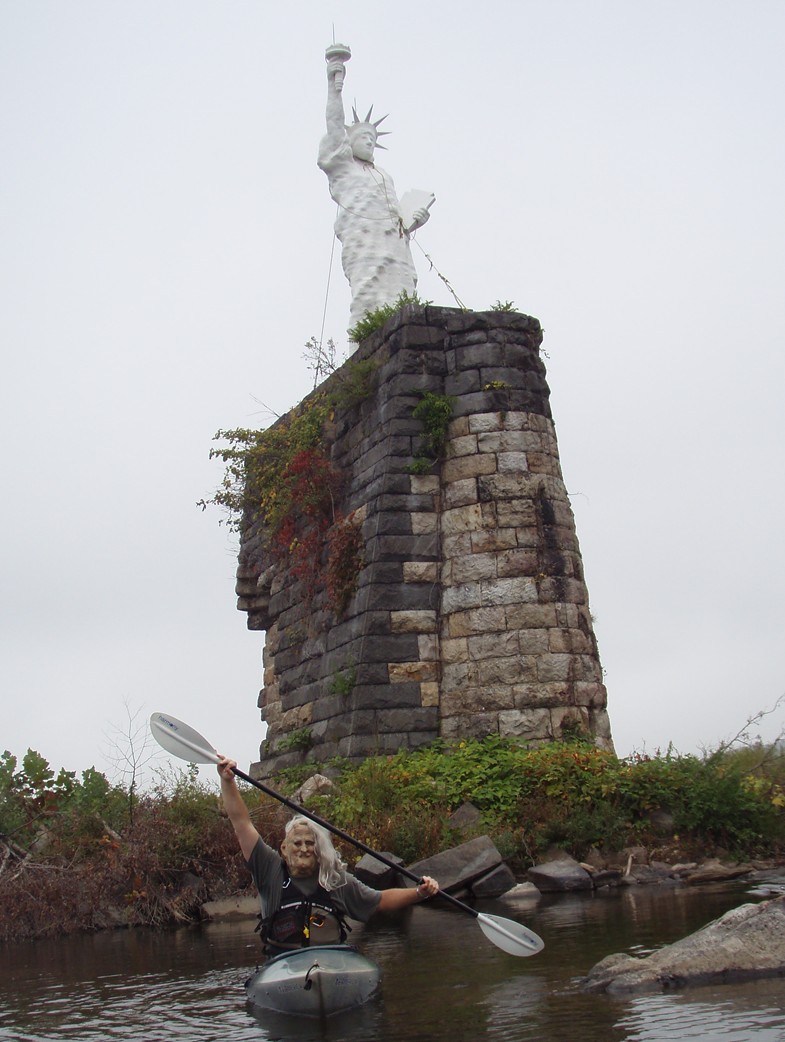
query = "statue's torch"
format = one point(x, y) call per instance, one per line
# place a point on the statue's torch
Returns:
point(338, 52)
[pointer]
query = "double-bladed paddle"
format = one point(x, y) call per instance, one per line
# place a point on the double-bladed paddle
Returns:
point(182, 741)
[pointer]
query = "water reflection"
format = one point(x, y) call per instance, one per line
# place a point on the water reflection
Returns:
point(442, 980)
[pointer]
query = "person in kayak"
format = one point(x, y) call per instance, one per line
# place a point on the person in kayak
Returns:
point(307, 892)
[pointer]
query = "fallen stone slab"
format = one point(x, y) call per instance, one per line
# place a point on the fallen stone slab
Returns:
point(376, 874)
point(459, 866)
point(467, 816)
point(715, 872)
point(746, 943)
point(561, 875)
point(231, 908)
point(521, 893)
point(494, 883)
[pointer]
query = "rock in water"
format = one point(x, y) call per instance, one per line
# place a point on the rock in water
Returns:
point(747, 942)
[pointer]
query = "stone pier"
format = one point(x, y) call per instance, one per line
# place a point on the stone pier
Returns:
point(471, 612)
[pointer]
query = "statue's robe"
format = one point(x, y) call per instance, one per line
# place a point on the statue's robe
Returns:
point(375, 251)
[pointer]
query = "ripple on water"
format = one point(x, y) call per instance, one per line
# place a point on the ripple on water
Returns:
point(443, 982)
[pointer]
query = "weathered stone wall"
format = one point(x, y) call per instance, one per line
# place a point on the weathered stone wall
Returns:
point(471, 613)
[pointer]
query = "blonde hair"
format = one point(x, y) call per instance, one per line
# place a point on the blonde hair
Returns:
point(332, 867)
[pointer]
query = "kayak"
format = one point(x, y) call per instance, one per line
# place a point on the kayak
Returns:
point(314, 982)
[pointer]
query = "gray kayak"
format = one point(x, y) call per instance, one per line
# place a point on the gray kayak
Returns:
point(314, 982)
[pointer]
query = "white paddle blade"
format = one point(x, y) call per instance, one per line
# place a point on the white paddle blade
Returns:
point(510, 936)
point(181, 740)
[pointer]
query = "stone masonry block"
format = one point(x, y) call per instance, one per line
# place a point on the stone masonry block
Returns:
point(469, 725)
point(424, 524)
point(413, 621)
point(461, 467)
point(424, 484)
point(474, 567)
point(430, 694)
point(467, 381)
point(479, 620)
point(503, 441)
point(543, 696)
point(420, 572)
point(428, 647)
point(512, 463)
point(421, 672)
point(482, 423)
point(534, 724)
point(459, 676)
point(517, 590)
point(493, 645)
point(553, 668)
point(462, 519)
point(534, 642)
point(466, 446)
point(454, 649)
point(367, 697)
point(460, 493)
point(457, 427)
point(460, 598)
point(513, 670)
point(492, 539)
point(423, 719)
point(518, 562)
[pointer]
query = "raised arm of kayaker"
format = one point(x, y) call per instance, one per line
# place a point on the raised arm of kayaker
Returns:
point(235, 807)
point(404, 896)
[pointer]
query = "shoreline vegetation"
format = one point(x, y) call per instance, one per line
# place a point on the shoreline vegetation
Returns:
point(84, 854)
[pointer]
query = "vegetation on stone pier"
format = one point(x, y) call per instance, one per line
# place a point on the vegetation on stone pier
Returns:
point(84, 854)
point(373, 320)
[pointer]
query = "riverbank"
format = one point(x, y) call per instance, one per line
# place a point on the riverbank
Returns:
point(88, 856)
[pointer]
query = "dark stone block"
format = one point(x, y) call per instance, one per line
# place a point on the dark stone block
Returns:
point(391, 522)
point(387, 696)
point(406, 719)
point(559, 876)
point(407, 597)
point(376, 874)
point(381, 572)
point(404, 547)
point(495, 883)
point(463, 382)
point(460, 865)
point(395, 647)
point(412, 384)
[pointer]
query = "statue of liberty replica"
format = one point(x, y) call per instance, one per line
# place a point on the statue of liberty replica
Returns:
point(372, 225)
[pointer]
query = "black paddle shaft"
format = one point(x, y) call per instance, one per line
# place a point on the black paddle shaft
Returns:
point(349, 839)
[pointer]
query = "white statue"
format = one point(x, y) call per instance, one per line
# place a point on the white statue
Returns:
point(372, 225)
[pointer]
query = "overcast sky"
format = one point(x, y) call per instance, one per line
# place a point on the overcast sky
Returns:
point(614, 168)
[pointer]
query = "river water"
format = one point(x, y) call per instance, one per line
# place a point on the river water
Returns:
point(442, 980)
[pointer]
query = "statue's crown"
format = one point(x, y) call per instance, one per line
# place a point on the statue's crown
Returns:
point(368, 122)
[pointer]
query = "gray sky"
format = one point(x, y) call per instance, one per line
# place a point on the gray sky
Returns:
point(614, 168)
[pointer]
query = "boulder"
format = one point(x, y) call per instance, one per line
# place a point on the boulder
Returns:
point(376, 874)
point(460, 865)
point(564, 874)
point(746, 943)
point(467, 816)
point(715, 872)
point(494, 883)
point(316, 785)
point(521, 893)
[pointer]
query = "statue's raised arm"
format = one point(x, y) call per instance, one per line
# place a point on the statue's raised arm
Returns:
point(336, 121)
point(373, 231)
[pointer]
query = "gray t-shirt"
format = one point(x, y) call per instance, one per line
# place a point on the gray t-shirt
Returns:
point(352, 898)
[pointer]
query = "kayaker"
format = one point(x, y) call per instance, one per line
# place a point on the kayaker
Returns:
point(306, 892)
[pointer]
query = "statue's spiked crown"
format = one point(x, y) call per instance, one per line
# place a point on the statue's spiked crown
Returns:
point(358, 123)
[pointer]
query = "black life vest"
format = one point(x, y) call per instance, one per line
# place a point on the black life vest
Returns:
point(302, 920)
